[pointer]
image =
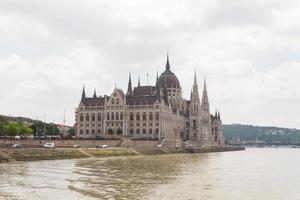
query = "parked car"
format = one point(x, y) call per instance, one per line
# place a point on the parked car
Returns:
point(159, 146)
point(49, 145)
point(102, 146)
point(17, 137)
point(17, 146)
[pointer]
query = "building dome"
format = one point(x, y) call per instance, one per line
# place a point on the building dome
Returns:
point(168, 78)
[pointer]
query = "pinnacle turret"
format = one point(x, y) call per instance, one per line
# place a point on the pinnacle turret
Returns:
point(167, 63)
point(83, 93)
point(129, 89)
point(94, 95)
point(139, 82)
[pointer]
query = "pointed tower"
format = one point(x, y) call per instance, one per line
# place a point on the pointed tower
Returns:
point(205, 103)
point(94, 95)
point(139, 82)
point(129, 89)
point(194, 118)
point(205, 119)
point(83, 94)
point(167, 63)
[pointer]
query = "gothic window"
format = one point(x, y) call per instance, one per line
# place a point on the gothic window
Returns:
point(137, 131)
point(99, 117)
point(108, 118)
point(112, 101)
point(131, 131)
point(131, 116)
point(87, 118)
point(119, 131)
point(117, 101)
point(157, 116)
point(144, 131)
point(150, 116)
point(112, 116)
point(87, 131)
point(117, 116)
point(144, 116)
point(156, 131)
point(194, 123)
point(137, 116)
point(81, 131)
point(144, 124)
point(150, 131)
point(99, 131)
point(93, 131)
point(93, 117)
point(121, 116)
point(81, 118)
point(110, 131)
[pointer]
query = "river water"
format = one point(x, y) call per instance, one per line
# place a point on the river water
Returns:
point(254, 174)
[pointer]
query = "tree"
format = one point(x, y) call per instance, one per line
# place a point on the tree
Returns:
point(25, 130)
point(12, 129)
point(3, 124)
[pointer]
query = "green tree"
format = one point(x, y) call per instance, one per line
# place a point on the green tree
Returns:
point(3, 124)
point(24, 130)
point(12, 129)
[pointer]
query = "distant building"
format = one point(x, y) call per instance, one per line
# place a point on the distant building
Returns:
point(156, 112)
point(63, 129)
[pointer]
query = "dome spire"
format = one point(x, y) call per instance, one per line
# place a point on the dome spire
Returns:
point(168, 63)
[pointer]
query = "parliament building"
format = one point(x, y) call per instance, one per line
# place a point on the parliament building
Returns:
point(150, 112)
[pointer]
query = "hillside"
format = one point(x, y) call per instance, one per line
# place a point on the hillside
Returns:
point(250, 134)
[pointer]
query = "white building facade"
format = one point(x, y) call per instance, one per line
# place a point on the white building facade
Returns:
point(151, 112)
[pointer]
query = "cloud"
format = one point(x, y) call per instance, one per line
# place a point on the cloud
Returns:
point(247, 50)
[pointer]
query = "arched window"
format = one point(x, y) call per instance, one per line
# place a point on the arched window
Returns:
point(144, 116)
point(194, 123)
point(110, 131)
point(117, 101)
point(150, 116)
point(137, 116)
point(112, 101)
point(157, 116)
point(99, 117)
point(131, 116)
point(81, 118)
point(107, 117)
point(119, 132)
point(117, 116)
point(93, 117)
point(121, 116)
point(112, 116)
point(87, 117)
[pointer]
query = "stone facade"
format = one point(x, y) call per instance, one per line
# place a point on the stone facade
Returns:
point(151, 112)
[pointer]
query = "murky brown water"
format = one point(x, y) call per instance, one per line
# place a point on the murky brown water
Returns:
point(252, 174)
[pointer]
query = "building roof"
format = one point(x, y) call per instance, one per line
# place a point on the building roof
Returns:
point(143, 91)
point(99, 101)
point(140, 100)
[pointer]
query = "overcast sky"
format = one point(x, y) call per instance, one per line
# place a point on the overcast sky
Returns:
point(249, 52)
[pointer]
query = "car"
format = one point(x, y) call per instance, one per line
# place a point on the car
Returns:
point(101, 146)
point(75, 146)
point(17, 146)
point(49, 145)
point(99, 137)
point(159, 146)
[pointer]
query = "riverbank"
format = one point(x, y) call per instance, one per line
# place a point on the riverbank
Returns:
point(34, 154)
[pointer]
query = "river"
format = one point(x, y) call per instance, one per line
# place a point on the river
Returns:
point(254, 174)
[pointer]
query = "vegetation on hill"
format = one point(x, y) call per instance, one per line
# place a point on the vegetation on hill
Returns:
point(260, 134)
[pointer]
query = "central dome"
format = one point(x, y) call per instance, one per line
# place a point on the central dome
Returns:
point(168, 78)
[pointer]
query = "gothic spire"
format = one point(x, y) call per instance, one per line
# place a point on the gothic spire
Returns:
point(195, 78)
point(129, 89)
point(168, 63)
point(156, 84)
point(139, 83)
point(83, 93)
point(219, 118)
point(94, 95)
point(204, 89)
